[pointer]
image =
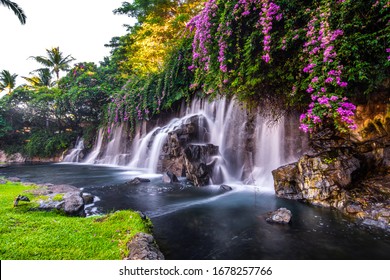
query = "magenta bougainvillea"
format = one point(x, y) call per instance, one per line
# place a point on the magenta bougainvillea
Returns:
point(266, 11)
point(326, 86)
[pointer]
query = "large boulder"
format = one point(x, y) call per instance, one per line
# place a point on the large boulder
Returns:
point(74, 204)
point(320, 179)
point(143, 247)
point(65, 198)
point(197, 163)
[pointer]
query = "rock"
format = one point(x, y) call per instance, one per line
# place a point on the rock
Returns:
point(88, 198)
point(144, 247)
point(3, 181)
point(20, 198)
point(169, 177)
point(74, 204)
point(196, 159)
point(14, 179)
point(11, 158)
point(286, 180)
point(61, 189)
point(281, 216)
point(137, 181)
point(375, 223)
point(354, 208)
point(142, 215)
point(3, 165)
point(66, 198)
point(320, 179)
point(225, 188)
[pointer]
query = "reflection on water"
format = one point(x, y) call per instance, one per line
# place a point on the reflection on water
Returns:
point(206, 223)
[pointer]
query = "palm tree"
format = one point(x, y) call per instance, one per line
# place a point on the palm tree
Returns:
point(16, 9)
point(55, 61)
point(7, 81)
point(42, 79)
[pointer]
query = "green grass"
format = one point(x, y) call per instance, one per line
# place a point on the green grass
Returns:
point(37, 235)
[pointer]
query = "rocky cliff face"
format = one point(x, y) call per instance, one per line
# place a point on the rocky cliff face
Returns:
point(349, 173)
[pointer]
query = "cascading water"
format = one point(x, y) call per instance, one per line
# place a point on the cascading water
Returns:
point(75, 153)
point(92, 157)
point(269, 150)
point(249, 148)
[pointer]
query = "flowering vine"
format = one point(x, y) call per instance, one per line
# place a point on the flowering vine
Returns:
point(326, 86)
point(202, 24)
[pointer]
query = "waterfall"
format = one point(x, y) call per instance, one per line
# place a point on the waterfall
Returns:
point(92, 157)
point(75, 154)
point(249, 148)
point(269, 153)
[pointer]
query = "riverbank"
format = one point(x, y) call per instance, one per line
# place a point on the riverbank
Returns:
point(50, 235)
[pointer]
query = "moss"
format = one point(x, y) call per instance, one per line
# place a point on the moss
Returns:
point(58, 197)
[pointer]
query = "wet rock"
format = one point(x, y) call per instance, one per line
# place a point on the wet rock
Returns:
point(286, 180)
point(61, 189)
point(88, 198)
point(197, 158)
point(280, 216)
point(320, 179)
point(142, 215)
point(14, 179)
point(137, 181)
point(169, 178)
point(354, 208)
point(225, 188)
point(65, 198)
point(74, 204)
point(143, 247)
point(3, 181)
point(375, 223)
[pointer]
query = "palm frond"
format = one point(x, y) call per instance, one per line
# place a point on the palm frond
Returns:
point(16, 9)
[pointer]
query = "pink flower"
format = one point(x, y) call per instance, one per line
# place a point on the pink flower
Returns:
point(266, 58)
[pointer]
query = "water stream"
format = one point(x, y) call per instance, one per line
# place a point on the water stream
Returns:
point(207, 223)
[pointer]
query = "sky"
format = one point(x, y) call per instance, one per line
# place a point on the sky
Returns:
point(78, 27)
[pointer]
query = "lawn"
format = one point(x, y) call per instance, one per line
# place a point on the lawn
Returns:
point(27, 234)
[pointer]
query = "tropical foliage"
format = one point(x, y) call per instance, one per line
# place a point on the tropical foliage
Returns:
point(16, 9)
point(55, 61)
point(7, 81)
point(282, 54)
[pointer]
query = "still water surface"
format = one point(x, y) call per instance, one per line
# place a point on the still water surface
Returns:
point(206, 223)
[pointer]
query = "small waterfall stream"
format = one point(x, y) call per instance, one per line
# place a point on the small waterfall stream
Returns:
point(75, 153)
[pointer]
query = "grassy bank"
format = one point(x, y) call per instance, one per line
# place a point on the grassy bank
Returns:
point(28, 235)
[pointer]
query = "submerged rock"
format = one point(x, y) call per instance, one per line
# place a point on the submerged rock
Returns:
point(169, 178)
point(225, 188)
point(280, 216)
point(143, 247)
point(137, 181)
